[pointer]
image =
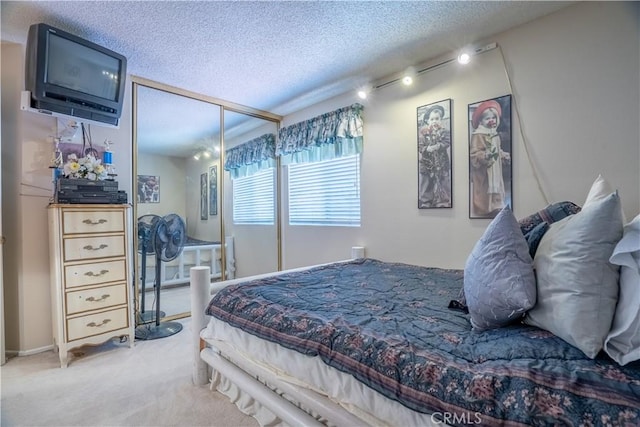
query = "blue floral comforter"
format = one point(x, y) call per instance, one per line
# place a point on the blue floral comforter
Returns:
point(388, 325)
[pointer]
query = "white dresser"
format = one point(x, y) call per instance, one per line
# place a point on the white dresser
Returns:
point(90, 274)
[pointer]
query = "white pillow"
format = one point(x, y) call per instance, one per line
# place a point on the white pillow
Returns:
point(577, 286)
point(623, 341)
point(499, 284)
point(600, 189)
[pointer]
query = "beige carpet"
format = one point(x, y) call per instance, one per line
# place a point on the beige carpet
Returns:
point(114, 385)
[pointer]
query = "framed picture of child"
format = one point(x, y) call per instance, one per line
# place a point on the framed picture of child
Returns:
point(213, 190)
point(490, 166)
point(434, 155)
point(204, 199)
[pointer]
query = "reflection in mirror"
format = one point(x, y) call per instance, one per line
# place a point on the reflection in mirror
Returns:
point(177, 139)
point(250, 196)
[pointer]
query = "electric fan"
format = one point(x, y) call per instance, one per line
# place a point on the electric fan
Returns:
point(146, 231)
point(167, 241)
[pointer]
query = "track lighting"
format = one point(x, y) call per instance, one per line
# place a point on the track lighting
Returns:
point(464, 57)
point(206, 152)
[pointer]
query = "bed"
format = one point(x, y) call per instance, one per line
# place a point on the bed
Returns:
point(367, 342)
point(195, 252)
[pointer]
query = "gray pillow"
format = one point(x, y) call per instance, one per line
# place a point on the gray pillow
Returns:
point(577, 285)
point(499, 283)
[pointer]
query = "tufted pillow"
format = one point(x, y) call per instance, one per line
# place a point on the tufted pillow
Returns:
point(499, 284)
point(577, 286)
point(623, 341)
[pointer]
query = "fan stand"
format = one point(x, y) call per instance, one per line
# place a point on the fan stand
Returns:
point(149, 316)
point(159, 329)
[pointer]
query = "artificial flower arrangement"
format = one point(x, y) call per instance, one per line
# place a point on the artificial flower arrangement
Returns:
point(87, 167)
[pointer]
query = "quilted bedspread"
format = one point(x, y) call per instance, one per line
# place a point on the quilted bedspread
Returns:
point(388, 325)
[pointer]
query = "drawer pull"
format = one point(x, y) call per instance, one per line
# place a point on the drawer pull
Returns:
point(92, 274)
point(97, 325)
point(98, 222)
point(92, 299)
point(91, 248)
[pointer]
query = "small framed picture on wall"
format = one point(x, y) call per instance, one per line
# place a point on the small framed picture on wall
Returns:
point(148, 189)
point(490, 166)
point(213, 190)
point(434, 155)
point(204, 200)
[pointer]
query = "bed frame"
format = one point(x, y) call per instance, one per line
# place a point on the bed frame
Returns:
point(287, 402)
point(207, 254)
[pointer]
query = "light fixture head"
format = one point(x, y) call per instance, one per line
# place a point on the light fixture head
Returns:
point(464, 58)
point(197, 156)
point(407, 77)
point(362, 94)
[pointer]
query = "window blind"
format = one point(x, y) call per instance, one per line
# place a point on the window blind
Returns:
point(254, 198)
point(325, 193)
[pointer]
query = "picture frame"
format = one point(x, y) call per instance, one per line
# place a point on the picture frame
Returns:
point(204, 201)
point(213, 190)
point(148, 189)
point(490, 162)
point(435, 186)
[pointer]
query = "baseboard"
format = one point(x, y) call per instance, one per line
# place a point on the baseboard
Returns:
point(14, 353)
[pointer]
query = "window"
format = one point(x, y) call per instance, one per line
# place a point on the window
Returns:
point(325, 193)
point(253, 198)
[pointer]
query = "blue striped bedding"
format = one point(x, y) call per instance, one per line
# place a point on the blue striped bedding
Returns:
point(388, 325)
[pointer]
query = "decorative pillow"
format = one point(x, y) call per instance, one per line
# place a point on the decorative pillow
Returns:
point(599, 190)
point(577, 286)
point(499, 284)
point(535, 225)
point(623, 341)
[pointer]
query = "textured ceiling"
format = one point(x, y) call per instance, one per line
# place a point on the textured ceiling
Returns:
point(273, 55)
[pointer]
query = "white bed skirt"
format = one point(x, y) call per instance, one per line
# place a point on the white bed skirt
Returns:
point(289, 375)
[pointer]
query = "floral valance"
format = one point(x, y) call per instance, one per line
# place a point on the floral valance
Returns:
point(251, 156)
point(329, 136)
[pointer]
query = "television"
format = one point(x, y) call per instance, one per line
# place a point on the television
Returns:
point(70, 76)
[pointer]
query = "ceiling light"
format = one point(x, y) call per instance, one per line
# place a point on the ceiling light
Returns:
point(464, 58)
point(207, 154)
point(362, 94)
point(407, 77)
point(197, 156)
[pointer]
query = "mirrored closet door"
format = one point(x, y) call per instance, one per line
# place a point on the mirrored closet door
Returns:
point(184, 198)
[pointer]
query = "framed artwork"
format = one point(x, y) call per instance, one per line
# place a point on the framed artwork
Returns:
point(213, 190)
point(434, 155)
point(204, 201)
point(490, 167)
point(148, 189)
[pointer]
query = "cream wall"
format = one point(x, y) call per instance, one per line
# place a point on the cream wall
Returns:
point(576, 80)
point(27, 150)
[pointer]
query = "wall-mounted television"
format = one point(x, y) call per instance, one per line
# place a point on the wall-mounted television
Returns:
point(68, 75)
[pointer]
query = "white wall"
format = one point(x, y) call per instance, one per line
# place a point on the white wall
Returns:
point(576, 80)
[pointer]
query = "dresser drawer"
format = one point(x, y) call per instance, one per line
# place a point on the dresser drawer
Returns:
point(94, 273)
point(76, 222)
point(93, 247)
point(97, 298)
point(96, 324)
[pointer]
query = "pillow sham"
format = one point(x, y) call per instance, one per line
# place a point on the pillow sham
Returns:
point(623, 341)
point(577, 287)
point(499, 284)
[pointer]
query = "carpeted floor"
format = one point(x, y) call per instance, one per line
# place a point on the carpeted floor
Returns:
point(114, 385)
